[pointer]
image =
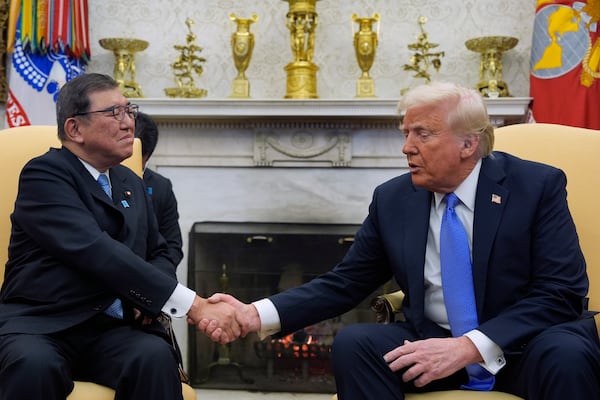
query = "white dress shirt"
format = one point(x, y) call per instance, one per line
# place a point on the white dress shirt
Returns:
point(182, 298)
point(435, 309)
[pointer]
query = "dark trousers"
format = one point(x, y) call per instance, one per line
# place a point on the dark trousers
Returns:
point(562, 362)
point(137, 364)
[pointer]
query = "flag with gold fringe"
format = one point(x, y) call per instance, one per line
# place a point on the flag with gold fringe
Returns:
point(565, 63)
point(49, 43)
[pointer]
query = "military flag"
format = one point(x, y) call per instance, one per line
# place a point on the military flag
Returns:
point(565, 63)
point(49, 45)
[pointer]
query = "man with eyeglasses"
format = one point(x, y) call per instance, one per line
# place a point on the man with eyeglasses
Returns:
point(88, 271)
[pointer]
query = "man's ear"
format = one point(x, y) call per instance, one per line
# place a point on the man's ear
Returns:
point(72, 130)
point(470, 145)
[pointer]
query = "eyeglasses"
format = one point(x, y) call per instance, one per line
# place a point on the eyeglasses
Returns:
point(118, 111)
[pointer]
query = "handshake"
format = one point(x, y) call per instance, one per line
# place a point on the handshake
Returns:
point(223, 318)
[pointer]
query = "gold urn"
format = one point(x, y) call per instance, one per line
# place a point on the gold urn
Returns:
point(242, 44)
point(365, 46)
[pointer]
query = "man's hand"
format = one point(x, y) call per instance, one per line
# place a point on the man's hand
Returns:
point(431, 359)
point(246, 315)
point(222, 317)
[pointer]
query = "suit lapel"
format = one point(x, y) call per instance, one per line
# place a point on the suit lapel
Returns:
point(416, 210)
point(490, 202)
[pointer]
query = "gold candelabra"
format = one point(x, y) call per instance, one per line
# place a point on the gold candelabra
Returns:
point(187, 63)
point(490, 64)
point(242, 44)
point(365, 45)
point(124, 50)
point(302, 20)
point(423, 57)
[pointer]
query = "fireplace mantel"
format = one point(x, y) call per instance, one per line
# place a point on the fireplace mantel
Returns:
point(502, 111)
point(305, 161)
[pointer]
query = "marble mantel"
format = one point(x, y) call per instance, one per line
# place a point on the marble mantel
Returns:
point(289, 133)
point(313, 161)
point(502, 111)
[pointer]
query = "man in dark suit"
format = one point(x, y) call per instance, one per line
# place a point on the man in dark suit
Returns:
point(160, 189)
point(529, 334)
point(88, 272)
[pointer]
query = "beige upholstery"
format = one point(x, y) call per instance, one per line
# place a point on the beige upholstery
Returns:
point(458, 395)
point(574, 150)
point(17, 146)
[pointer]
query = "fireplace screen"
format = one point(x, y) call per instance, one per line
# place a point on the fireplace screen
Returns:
point(252, 261)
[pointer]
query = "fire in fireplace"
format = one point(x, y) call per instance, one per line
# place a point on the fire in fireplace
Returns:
point(252, 261)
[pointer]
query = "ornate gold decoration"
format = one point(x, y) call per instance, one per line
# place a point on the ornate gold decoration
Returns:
point(302, 20)
point(185, 66)
point(242, 44)
point(124, 50)
point(365, 45)
point(423, 57)
point(490, 66)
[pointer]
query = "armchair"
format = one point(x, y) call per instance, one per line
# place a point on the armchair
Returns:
point(574, 151)
point(17, 146)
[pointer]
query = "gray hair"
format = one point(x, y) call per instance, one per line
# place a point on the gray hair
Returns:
point(468, 114)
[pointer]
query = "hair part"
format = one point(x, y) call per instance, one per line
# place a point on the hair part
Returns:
point(74, 97)
point(467, 112)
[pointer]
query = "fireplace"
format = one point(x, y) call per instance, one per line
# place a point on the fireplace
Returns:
point(284, 161)
point(252, 261)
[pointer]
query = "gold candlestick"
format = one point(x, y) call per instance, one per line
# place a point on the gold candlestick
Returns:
point(124, 50)
point(490, 66)
point(187, 63)
point(423, 57)
point(365, 45)
point(242, 44)
point(302, 20)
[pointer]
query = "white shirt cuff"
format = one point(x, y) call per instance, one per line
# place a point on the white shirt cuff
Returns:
point(269, 318)
point(493, 357)
point(180, 302)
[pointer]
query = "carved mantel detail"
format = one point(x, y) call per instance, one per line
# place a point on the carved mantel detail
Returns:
point(302, 146)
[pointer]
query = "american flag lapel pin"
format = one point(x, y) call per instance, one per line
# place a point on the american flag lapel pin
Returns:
point(496, 198)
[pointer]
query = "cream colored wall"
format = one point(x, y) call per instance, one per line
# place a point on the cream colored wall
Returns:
point(450, 23)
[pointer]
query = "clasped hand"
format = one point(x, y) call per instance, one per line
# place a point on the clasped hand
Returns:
point(224, 318)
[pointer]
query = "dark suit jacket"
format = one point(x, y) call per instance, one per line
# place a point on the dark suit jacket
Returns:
point(529, 271)
point(73, 251)
point(164, 202)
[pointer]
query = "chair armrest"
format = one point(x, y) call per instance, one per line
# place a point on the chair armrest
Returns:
point(388, 307)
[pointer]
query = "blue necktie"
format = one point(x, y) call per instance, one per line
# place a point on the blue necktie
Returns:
point(115, 310)
point(457, 285)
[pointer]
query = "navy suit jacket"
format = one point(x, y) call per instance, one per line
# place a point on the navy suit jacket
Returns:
point(164, 202)
point(73, 250)
point(528, 269)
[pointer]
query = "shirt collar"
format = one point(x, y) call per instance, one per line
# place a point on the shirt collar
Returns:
point(93, 171)
point(466, 191)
